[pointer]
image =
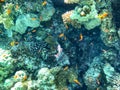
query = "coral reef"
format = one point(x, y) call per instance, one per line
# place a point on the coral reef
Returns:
point(59, 45)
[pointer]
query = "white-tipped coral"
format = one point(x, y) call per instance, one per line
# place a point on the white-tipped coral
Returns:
point(71, 1)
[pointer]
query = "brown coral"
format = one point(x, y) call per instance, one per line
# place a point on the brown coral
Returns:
point(66, 17)
point(67, 20)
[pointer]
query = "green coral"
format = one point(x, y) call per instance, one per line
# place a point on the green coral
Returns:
point(6, 18)
point(8, 23)
point(86, 15)
point(6, 64)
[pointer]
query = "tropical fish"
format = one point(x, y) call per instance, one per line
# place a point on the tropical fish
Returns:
point(44, 3)
point(65, 68)
point(81, 37)
point(77, 82)
point(103, 15)
point(61, 35)
point(13, 43)
point(33, 31)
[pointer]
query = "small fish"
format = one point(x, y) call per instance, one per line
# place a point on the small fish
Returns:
point(110, 37)
point(8, 11)
point(59, 49)
point(77, 82)
point(103, 15)
point(41, 18)
point(81, 37)
point(44, 3)
point(106, 30)
point(66, 26)
point(98, 88)
point(33, 18)
point(104, 51)
point(61, 35)
point(13, 43)
point(34, 31)
point(98, 81)
point(65, 68)
point(16, 7)
point(25, 77)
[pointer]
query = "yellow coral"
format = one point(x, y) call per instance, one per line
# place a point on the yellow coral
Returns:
point(103, 15)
